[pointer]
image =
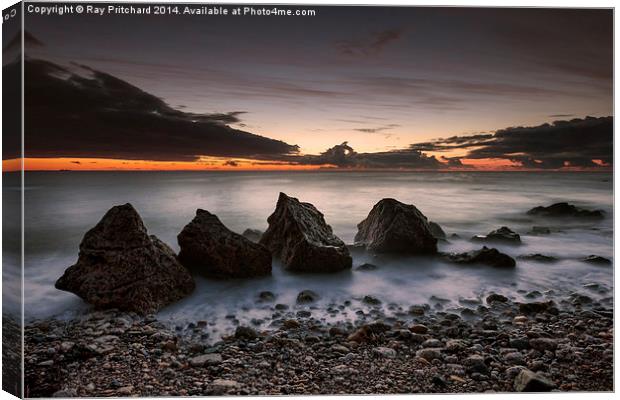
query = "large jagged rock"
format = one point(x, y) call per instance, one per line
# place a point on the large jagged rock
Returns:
point(565, 210)
point(121, 266)
point(394, 227)
point(211, 249)
point(486, 256)
point(300, 237)
point(437, 230)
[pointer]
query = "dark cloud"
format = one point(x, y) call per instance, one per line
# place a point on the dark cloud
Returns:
point(344, 156)
point(377, 129)
point(575, 143)
point(76, 162)
point(88, 113)
point(561, 115)
point(231, 163)
point(373, 44)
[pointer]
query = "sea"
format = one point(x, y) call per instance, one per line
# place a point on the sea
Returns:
point(61, 206)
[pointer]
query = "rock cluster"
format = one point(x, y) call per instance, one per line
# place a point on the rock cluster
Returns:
point(565, 210)
point(121, 266)
point(211, 249)
point(300, 237)
point(485, 256)
point(395, 227)
point(502, 235)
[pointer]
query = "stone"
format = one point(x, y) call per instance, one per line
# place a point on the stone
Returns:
point(245, 332)
point(367, 267)
point(485, 256)
point(535, 307)
point(565, 210)
point(120, 266)
point(540, 230)
point(371, 300)
point(538, 258)
point(211, 249)
point(252, 235)
point(594, 259)
point(205, 360)
point(300, 237)
point(385, 352)
point(502, 235)
point(429, 354)
point(528, 381)
point(307, 296)
point(394, 227)
point(266, 296)
point(496, 298)
point(418, 328)
point(543, 344)
point(437, 230)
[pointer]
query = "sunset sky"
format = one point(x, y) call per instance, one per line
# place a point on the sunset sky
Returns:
point(363, 87)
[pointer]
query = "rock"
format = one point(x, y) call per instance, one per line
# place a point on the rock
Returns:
point(367, 267)
point(528, 381)
point(266, 296)
point(486, 256)
point(436, 230)
point(496, 298)
point(222, 386)
point(418, 328)
point(544, 344)
point(455, 345)
point(535, 307)
point(245, 332)
point(593, 259)
point(121, 266)
point(126, 390)
point(429, 354)
point(540, 230)
point(371, 300)
point(385, 352)
point(307, 296)
point(565, 210)
point(290, 324)
point(211, 249)
point(205, 359)
point(300, 237)
point(394, 227)
point(502, 235)
point(253, 235)
point(538, 258)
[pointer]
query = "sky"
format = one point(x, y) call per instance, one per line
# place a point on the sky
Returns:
point(352, 87)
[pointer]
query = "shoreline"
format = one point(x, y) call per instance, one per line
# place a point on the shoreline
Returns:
point(507, 346)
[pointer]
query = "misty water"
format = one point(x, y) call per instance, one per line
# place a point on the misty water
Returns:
point(62, 206)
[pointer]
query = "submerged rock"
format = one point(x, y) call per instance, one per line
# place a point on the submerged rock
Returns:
point(252, 235)
point(121, 266)
point(208, 247)
point(486, 256)
point(593, 259)
point(300, 237)
point(366, 267)
point(540, 230)
point(565, 210)
point(394, 227)
point(538, 257)
point(501, 235)
point(307, 296)
point(436, 230)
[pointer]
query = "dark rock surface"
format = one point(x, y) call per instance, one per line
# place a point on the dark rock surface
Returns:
point(540, 230)
point(121, 266)
point(486, 256)
point(394, 227)
point(252, 235)
point(594, 259)
point(538, 258)
point(211, 249)
point(565, 210)
point(437, 230)
point(366, 267)
point(502, 235)
point(300, 237)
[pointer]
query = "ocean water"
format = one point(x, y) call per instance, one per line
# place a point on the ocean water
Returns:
point(61, 206)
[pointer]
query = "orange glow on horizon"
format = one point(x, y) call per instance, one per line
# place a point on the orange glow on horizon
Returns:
point(220, 164)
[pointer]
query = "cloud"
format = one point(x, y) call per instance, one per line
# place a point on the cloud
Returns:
point(78, 111)
point(377, 129)
point(370, 45)
point(574, 143)
point(344, 156)
point(231, 163)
